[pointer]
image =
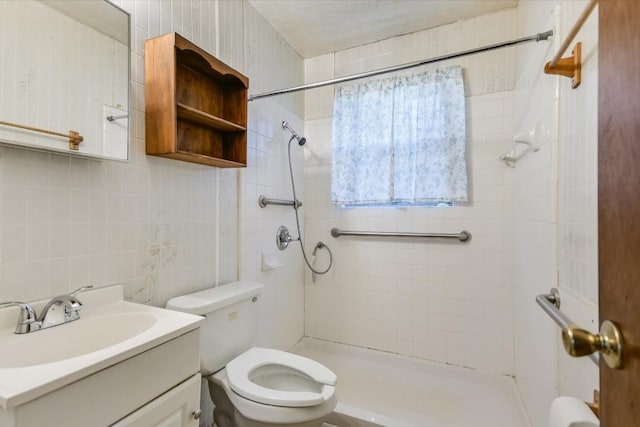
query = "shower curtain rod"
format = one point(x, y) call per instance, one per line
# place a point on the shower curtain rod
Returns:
point(538, 37)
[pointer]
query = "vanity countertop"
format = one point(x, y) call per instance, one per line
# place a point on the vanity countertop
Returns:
point(109, 331)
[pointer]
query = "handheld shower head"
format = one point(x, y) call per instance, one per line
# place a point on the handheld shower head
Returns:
point(301, 139)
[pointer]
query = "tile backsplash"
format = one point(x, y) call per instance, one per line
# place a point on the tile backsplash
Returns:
point(69, 222)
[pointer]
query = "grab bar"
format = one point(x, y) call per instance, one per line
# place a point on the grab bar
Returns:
point(114, 118)
point(463, 236)
point(73, 136)
point(264, 201)
point(550, 303)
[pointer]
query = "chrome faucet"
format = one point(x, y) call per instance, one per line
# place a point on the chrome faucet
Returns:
point(28, 321)
point(60, 309)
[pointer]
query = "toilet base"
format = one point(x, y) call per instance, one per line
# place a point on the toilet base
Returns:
point(226, 415)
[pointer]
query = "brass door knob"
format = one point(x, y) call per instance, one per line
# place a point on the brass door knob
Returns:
point(578, 342)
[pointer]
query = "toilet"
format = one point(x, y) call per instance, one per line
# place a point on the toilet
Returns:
point(254, 386)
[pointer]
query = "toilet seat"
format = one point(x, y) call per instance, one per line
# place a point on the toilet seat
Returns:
point(240, 369)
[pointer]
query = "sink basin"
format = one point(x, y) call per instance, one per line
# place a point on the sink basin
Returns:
point(72, 339)
point(108, 332)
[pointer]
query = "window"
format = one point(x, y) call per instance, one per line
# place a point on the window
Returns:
point(400, 140)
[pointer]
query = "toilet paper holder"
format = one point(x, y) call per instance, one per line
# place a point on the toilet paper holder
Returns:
point(595, 405)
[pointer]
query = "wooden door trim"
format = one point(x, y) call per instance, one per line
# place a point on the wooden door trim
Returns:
point(619, 202)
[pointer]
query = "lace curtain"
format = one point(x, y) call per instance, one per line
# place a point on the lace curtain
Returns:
point(400, 140)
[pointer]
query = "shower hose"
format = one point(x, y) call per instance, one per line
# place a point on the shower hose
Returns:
point(320, 245)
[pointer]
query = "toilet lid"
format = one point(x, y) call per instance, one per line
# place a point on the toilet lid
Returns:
point(240, 369)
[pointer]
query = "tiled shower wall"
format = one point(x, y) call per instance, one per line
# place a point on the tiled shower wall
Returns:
point(274, 65)
point(442, 301)
point(534, 217)
point(578, 202)
point(555, 209)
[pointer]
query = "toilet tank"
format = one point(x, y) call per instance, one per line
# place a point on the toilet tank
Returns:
point(232, 314)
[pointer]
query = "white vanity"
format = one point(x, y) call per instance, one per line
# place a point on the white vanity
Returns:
point(120, 364)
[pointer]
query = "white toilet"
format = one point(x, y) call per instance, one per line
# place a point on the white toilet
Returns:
point(254, 387)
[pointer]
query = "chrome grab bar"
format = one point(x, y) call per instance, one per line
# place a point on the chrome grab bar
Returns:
point(550, 303)
point(463, 236)
point(264, 201)
point(113, 118)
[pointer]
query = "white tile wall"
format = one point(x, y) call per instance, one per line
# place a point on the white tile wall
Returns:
point(438, 301)
point(274, 64)
point(555, 209)
point(534, 217)
point(398, 296)
point(578, 202)
point(492, 71)
point(163, 227)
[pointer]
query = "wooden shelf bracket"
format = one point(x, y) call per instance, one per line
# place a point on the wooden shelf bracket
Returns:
point(570, 66)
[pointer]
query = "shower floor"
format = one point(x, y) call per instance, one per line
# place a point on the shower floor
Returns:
point(378, 389)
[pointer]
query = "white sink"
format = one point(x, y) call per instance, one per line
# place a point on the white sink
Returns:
point(108, 331)
point(72, 339)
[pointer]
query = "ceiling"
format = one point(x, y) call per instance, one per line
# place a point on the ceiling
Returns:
point(316, 27)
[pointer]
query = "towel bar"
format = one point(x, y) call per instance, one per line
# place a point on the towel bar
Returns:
point(463, 236)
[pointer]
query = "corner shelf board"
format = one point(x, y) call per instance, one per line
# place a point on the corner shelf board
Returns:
point(196, 106)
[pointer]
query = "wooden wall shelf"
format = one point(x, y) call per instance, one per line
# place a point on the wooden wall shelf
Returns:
point(201, 118)
point(196, 106)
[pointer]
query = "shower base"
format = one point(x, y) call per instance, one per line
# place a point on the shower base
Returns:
point(379, 389)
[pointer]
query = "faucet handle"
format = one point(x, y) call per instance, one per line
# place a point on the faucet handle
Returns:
point(75, 303)
point(28, 321)
point(82, 289)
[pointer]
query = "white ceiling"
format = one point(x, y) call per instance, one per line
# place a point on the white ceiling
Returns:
point(316, 27)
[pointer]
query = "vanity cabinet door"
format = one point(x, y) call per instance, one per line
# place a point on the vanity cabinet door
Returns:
point(175, 408)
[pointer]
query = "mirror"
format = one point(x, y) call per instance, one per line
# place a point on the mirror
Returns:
point(64, 67)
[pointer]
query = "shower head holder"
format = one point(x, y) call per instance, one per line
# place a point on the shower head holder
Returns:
point(301, 139)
